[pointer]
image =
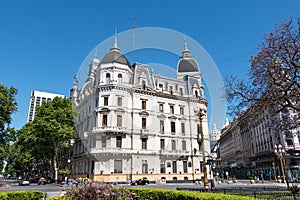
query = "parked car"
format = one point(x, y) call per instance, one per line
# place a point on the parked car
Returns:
point(33, 179)
point(24, 182)
point(86, 180)
point(42, 181)
point(141, 181)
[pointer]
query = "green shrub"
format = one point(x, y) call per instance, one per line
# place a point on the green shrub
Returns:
point(22, 195)
point(156, 194)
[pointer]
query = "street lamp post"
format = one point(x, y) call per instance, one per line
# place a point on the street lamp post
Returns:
point(201, 115)
point(280, 153)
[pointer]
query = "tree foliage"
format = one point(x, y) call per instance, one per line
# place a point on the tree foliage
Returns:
point(274, 75)
point(8, 105)
point(40, 141)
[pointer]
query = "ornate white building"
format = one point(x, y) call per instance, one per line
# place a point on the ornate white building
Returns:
point(133, 123)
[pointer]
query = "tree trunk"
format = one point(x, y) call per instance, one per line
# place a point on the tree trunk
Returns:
point(55, 170)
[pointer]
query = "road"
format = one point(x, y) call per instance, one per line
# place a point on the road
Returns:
point(49, 189)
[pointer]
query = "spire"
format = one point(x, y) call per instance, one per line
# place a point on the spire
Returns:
point(115, 47)
point(75, 80)
point(185, 44)
point(115, 38)
point(185, 53)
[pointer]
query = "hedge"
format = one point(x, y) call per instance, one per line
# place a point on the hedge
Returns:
point(22, 195)
point(156, 194)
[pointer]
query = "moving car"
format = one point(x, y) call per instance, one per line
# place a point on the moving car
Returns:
point(141, 181)
point(24, 182)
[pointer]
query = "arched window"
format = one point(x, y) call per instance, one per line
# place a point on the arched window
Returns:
point(107, 78)
point(119, 78)
point(143, 85)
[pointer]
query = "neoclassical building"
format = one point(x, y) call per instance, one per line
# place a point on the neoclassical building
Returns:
point(134, 123)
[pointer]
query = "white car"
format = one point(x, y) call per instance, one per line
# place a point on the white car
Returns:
point(24, 182)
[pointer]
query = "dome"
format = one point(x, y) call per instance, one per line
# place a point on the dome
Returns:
point(187, 63)
point(115, 56)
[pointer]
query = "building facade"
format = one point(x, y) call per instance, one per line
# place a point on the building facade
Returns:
point(134, 123)
point(248, 147)
point(36, 99)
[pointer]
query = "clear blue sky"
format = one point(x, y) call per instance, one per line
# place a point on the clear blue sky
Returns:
point(43, 43)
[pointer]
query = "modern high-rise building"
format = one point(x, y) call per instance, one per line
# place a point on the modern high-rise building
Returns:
point(134, 123)
point(36, 99)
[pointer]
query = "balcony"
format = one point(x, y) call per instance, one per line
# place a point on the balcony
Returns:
point(145, 131)
point(110, 129)
point(121, 151)
point(111, 151)
point(175, 152)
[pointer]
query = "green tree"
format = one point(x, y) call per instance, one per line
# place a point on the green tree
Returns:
point(53, 126)
point(274, 78)
point(8, 105)
point(48, 133)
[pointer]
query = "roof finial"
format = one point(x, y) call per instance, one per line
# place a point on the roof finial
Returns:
point(185, 44)
point(115, 38)
point(75, 79)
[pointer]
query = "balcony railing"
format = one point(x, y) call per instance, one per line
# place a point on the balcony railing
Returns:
point(175, 152)
point(121, 151)
point(115, 129)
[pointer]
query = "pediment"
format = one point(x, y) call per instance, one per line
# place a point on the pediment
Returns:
point(144, 113)
point(162, 116)
point(172, 117)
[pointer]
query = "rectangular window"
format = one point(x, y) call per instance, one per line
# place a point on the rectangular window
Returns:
point(174, 166)
point(143, 104)
point(119, 120)
point(173, 142)
point(161, 107)
point(144, 143)
point(173, 130)
point(183, 128)
point(103, 141)
point(119, 101)
point(144, 123)
point(118, 166)
point(162, 126)
point(183, 145)
point(162, 167)
point(104, 120)
point(144, 167)
point(119, 142)
point(185, 166)
point(162, 144)
point(172, 109)
point(182, 110)
point(181, 91)
point(105, 103)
